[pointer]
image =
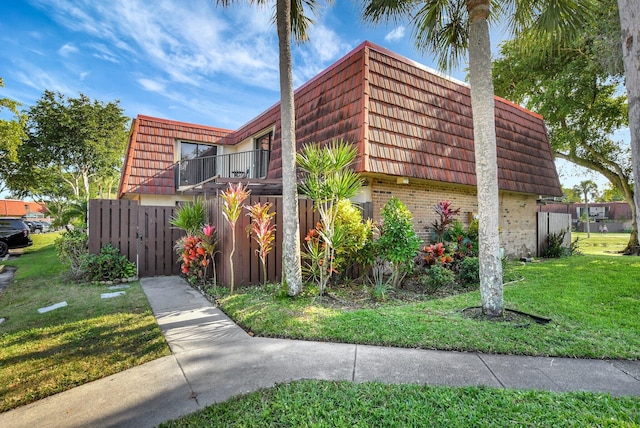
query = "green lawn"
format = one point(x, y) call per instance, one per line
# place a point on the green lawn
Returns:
point(601, 243)
point(43, 354)
point(345, 404)
point(593, 301)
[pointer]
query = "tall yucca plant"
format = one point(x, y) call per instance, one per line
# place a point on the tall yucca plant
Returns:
point(327, 179)
point(263, 231)
point(232, 200)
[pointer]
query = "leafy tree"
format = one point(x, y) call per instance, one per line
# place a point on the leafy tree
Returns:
point(611, 194)
point(570, 195)
point(578, 95)
point(11, 135)
point(629, 11)
point(74, 141)
point(450, 28)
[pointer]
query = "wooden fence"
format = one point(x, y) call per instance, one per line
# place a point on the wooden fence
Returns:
point(145, 236)
point(549, 223)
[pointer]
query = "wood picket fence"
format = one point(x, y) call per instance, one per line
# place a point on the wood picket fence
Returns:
point(145, 236)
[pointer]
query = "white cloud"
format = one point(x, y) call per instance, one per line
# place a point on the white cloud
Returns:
point(395, 34)
point(84, 74)
point(67, 49)
point(152, 85)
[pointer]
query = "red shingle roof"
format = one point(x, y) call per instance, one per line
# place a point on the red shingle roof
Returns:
point(405, 119)
point(150, 154)
point(18, 208)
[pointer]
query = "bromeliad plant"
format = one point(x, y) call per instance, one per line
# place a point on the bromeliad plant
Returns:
point(232, 200)
point(263, 231)
point(327, 179)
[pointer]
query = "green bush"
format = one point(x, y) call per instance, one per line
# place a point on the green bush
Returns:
point(398, 242)
point(555, 249)
point(438, 277)
point(72, 248)
point(109, 265)
point(469, 271)
point(354, 234)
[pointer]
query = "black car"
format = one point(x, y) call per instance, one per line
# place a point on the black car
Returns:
point(14, 233)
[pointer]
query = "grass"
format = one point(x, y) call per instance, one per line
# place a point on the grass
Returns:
point(91, 338)
point(345, 404)
point(601, 243)
point(593, 302)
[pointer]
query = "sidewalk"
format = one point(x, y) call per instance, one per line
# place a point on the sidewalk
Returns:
point(214, 359)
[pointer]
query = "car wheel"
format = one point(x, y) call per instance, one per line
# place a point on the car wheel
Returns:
point(37, 231)
point(4, 248)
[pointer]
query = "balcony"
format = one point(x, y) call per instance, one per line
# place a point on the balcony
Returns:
point(250, 165)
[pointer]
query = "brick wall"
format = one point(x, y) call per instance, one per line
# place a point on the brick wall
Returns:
point(517, 211)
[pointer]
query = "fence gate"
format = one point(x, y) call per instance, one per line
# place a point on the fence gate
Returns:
point(142, 233)
point(549, 223)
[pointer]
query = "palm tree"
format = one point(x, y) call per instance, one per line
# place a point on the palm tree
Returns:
point(587, 189)
point(630, 29)
point(451, 27)
point(290, 20)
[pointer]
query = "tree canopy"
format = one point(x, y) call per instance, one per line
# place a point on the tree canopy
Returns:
point(578, 94)
point(72, 145)
point(11, 134)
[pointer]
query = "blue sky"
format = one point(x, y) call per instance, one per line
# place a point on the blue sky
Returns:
point(190, 61)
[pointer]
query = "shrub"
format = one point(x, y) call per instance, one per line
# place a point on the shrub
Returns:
point(438, 277)
point(354, 234)
point(446, 217)
point(190, 216)
point(72, 248)
point(398, 242)
point(197, 253)
point(555, 248)
point(469, 270)
point(109, 265)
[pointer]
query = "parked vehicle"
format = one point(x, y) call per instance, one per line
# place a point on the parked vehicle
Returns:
point(14, 233)
point(34, 226)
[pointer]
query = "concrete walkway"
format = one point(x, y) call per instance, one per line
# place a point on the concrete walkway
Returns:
point(213, 359)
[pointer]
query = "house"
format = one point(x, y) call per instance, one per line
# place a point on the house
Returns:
point(616, 215)
point(414, 134)
point(19, 208)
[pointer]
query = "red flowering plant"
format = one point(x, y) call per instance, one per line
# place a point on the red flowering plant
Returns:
point(197, 254)
point(263, 231)
point(437, 253)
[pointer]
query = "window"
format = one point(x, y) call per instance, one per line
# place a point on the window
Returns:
point(196, 163)
point(262, 153)
point(194, 150)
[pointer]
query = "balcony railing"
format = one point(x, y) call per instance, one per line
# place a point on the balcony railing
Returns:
point(252, 164)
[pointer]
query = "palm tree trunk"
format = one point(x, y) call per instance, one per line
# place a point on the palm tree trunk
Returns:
point(291, 269)
point(484, 135)
point(630, 30)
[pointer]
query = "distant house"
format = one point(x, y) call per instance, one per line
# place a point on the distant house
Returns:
point(19, 208)
point(414, 134)
point(616, 215)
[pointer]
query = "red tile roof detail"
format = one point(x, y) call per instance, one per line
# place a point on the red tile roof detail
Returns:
point(405, 120)
point(19, 208)
point(420, 125)
point(148, 167)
